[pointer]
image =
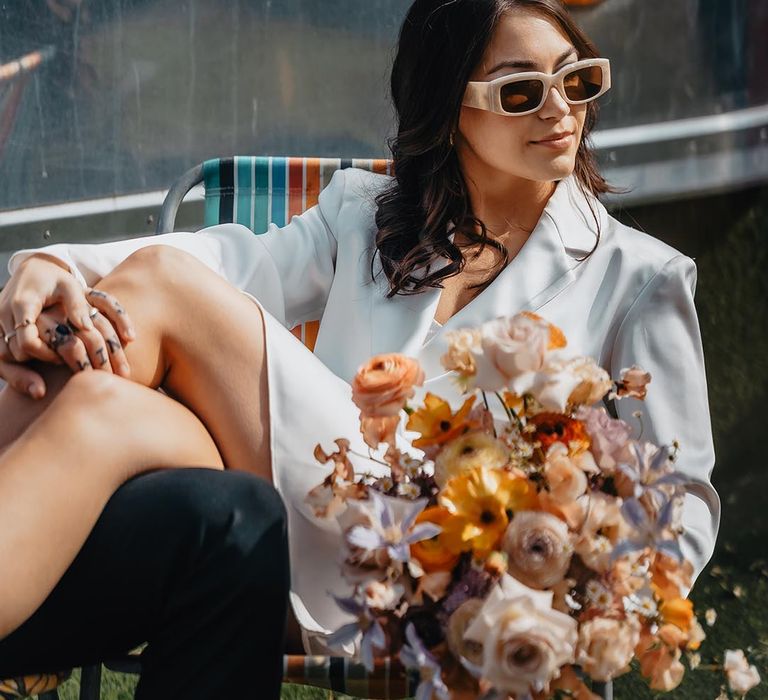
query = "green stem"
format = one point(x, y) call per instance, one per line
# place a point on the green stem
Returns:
point(511, 415)
point(487, 408)
point(368, 456)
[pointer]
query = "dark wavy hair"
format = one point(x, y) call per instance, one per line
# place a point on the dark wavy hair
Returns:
point(441, 42)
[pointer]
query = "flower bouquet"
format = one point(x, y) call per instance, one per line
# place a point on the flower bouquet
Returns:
point(516, 558)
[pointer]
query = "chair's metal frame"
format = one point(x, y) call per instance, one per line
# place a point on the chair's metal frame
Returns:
point(172, 201)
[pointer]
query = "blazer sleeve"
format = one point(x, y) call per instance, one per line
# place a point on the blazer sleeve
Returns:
point(660, 333)
point(289, 270)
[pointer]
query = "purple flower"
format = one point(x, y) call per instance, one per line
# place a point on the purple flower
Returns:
point(392, 527)
point(473, 583)
point(649, 531)
point(415, 655)
point(366, 624)
point(651, 471)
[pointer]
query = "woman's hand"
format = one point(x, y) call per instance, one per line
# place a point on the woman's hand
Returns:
point(99, 348)
point(40, 283)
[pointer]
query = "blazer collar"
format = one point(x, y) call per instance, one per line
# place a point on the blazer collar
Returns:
point(542, 269)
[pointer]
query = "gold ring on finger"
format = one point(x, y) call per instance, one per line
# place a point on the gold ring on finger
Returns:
point(7, 336)
point(93, 312)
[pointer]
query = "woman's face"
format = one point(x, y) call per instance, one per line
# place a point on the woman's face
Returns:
point(516, 146)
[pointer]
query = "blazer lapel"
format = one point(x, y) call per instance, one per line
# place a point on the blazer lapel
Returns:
point(400, 324)
point(542, 269)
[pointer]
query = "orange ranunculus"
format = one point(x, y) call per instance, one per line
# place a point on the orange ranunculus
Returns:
point(659, 657)
point(382, 385)
point(556, 336)
point(669, 577)
point(557, 427)
point(437, 423)
point(570, 682)
point(433, 554)
point(678, 612)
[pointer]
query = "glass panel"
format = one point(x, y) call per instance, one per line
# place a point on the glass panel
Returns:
point(130, 93)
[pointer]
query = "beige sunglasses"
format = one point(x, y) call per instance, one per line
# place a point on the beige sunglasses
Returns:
point(519, 94)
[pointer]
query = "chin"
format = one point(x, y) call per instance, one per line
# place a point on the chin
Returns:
point(558, 168)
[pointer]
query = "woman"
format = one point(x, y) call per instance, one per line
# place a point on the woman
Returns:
point(493, 210)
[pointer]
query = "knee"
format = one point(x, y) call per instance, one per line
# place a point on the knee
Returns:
point(158, 264)
point(88, 393)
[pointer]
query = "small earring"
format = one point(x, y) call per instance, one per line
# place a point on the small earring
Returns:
point(451, 140)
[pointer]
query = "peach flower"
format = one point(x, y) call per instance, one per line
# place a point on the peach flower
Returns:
point(659, 657)
point(634, 382)
point(539, 548)
point(463, 346)
point(669, 577)
point(741, 676)
point(602, 528)
point(594, 381)
point(573, 686)
point(382, 385)
point(606, 646)
point(380, 390)
point(565, 480)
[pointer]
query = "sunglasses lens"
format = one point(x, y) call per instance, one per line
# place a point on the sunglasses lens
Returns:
point(521, 96)
point(583, 84)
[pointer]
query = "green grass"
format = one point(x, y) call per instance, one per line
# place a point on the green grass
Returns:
point(728, 236)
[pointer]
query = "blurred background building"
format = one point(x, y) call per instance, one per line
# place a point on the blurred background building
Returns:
point(131, 93)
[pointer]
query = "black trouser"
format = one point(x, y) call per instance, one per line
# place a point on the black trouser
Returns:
point(193, 561)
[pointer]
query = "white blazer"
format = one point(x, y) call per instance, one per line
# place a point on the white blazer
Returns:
point(629, 302)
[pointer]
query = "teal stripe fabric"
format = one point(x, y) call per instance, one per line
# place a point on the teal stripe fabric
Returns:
point(261, 199)
point(212, 191)
point(279, 190)
point(243, 193)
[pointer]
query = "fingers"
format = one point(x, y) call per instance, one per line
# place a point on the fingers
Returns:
point(24, 342)
point(99, 348)
point(61, 338)
point(76, 307)
point(23, 379)
point(115, 313)
point(114, 349)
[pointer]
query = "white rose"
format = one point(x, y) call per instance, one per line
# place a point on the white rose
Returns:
point(525, 641)
point(510, 347)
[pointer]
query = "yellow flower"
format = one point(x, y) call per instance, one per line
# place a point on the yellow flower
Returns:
point(433, 554)
point(480, 499)
point(437, 423)
point(678, 612)
point(474, 449)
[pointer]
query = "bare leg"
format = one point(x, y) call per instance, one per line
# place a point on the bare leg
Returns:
point(57, 476)
point(198, 338)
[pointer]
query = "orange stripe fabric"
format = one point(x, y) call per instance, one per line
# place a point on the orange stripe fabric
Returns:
point(313, 181)
point(295, 187)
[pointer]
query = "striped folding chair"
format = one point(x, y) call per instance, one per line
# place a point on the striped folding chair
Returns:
point(258, 191)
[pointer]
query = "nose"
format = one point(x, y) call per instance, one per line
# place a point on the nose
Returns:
point(554, 107)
